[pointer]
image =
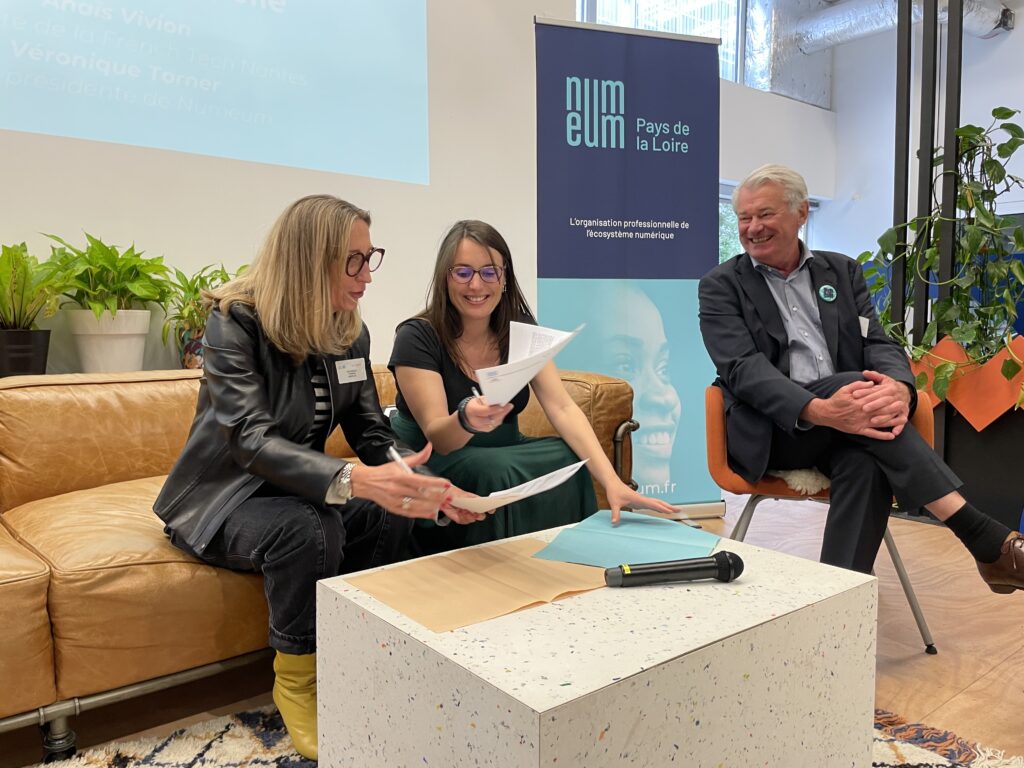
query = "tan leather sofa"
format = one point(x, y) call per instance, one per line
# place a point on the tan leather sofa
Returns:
point(96, 605)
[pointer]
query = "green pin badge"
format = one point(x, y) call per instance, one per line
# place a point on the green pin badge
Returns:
point(828, 293)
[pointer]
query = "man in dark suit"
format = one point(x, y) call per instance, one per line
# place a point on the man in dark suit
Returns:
point(811, 380)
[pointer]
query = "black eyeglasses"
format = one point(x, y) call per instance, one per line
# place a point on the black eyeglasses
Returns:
point(355, 261)
point(489, 274)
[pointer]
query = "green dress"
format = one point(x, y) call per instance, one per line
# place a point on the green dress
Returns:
point(490, 461)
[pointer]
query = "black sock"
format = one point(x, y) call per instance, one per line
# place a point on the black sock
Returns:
point(982, 535)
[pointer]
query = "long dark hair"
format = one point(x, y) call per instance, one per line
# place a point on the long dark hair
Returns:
point(439, 311)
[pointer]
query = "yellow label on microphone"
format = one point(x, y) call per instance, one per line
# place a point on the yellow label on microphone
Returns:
point(625, 568)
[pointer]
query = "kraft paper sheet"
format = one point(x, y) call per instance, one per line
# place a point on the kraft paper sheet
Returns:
point(475, 584)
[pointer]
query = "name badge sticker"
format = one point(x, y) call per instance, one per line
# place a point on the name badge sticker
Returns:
point(351, 371)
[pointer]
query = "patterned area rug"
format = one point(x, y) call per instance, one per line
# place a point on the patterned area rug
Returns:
point(899, 744)
point(258, 738)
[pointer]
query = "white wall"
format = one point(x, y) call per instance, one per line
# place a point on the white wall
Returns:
point(200, 210)
point(759, 128)
point(993, 76)
point(864, 102)
point(864, 99)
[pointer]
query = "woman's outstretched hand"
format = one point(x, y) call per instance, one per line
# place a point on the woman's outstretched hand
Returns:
point(621, 495)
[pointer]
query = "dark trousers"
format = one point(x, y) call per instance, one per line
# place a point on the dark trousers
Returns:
point(865, 474)
point(294, 543)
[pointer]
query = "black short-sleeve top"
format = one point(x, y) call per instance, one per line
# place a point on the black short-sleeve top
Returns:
point(417, 345)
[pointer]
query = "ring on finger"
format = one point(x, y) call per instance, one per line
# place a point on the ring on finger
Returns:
point(406, 501)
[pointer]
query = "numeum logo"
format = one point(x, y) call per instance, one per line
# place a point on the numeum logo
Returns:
point(594, 113)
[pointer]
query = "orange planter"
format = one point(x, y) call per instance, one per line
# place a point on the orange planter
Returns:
point(946, 351)
point(978, 392)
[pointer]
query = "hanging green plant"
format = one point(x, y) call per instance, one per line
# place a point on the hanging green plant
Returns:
point(987, 281)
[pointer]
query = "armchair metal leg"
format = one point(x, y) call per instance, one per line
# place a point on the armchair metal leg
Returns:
point(908, 590)
point(739, 532)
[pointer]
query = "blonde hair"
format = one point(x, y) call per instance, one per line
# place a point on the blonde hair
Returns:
point(794, 188)
point(288, 283)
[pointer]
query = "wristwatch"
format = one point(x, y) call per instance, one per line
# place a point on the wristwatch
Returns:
point(340, 491)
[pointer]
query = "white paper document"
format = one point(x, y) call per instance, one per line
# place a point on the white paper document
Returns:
point(529, 349)
point(519, 492)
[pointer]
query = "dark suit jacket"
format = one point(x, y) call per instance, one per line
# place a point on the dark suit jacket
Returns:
point(746, 338)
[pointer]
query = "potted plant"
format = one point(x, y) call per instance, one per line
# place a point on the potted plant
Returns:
point(969, 354)
point(110, 289)
point(27, 288)
point(187, 310)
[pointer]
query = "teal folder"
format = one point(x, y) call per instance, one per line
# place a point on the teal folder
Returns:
point(636, 539)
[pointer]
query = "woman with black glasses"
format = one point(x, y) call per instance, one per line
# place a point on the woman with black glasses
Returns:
point(287, 358)
point(464, 327)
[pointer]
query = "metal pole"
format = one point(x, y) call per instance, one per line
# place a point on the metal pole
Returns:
point(947, 229)
point(926, 151)
point(954, 56)
point(901, 174)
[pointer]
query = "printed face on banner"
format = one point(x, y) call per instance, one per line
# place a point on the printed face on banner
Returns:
point(637, 330)
point(638, 352)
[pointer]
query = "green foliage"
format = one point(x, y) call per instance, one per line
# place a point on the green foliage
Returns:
point(26, 288)
point(187, 310)
point(987, 281)
point(102, 278)
point(728, 234)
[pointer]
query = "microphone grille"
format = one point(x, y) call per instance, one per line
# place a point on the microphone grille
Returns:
point(730, 565)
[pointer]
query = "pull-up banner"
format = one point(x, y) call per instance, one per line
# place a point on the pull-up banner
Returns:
point(627, 222)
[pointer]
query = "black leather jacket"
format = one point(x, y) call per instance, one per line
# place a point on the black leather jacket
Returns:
point(254, 411)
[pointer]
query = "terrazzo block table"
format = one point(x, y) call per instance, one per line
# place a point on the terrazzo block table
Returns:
point(774, 669)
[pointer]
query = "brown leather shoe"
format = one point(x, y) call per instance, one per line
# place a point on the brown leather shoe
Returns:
point(1007, 573)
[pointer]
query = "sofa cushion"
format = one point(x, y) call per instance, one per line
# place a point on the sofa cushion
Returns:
point(26, 653)
point(99, 429)
point(126, 605)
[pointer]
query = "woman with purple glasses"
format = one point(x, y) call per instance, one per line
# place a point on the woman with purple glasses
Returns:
point(473, 297)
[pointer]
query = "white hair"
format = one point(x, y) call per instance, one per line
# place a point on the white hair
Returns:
point(794, 188)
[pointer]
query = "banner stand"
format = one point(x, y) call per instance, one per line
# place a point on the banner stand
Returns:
point(627, 223)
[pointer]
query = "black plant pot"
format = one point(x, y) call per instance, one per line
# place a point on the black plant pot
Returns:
point(990, 462)
point(23, 352)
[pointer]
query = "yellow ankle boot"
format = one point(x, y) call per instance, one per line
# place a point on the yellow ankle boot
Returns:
point(295, 697)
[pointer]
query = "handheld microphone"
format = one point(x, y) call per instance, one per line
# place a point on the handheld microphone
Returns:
point(724, 566)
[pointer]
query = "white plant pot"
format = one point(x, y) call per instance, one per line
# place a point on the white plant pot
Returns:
point(112, 343)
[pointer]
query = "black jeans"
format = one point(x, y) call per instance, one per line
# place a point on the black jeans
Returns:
point(294, 543)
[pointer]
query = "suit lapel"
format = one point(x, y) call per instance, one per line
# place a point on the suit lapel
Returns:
point(760, 295)
point(823, 276)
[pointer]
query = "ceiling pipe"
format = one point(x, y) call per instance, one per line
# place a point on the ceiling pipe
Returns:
point(854, 19)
